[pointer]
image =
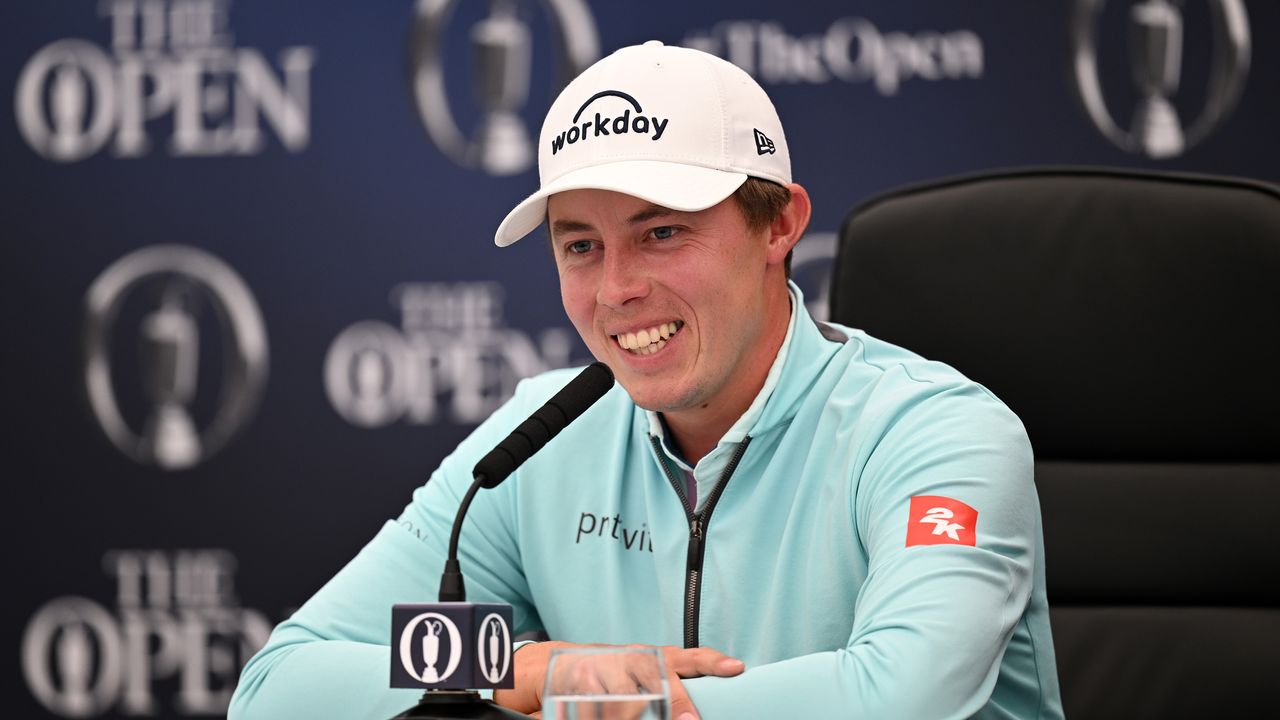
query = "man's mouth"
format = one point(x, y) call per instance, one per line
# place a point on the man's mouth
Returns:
point(649, 340)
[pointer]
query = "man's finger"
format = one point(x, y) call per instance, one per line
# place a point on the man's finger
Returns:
point(681, 706)
point(646, 677)
point(616, 673)
point(695, 662)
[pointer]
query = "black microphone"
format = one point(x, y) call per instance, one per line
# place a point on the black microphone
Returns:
point(545, 423)
point(452, 647)
point(581, 393)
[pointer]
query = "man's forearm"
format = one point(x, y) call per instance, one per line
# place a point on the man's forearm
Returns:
point(831, 685)
point(319, 679)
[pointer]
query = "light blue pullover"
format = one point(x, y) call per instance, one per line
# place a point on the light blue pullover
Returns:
point(806, 575)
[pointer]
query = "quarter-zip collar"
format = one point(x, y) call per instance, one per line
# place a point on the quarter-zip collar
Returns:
point(802, 345)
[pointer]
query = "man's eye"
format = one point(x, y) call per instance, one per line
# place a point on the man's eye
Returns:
point(664, 232)
point(578, 247)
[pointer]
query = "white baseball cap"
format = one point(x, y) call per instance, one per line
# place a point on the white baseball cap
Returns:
point(676, 127)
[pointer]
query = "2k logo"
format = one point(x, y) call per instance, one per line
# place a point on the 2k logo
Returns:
point(939, 520)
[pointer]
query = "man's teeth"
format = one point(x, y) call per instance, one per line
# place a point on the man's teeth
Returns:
point(649, 340)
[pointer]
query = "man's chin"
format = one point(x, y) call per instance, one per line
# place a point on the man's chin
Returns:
point(655, 399)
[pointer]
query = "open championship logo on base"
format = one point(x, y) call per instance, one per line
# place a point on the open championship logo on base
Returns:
point(493, 648)
point(451, 646)
point(431, 630)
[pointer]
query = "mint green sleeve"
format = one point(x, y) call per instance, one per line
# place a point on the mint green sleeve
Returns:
point(331, 659)
point(931, 623)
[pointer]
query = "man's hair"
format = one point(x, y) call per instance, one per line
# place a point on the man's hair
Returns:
point(761, 202)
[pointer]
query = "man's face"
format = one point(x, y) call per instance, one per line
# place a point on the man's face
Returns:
point(632, 272)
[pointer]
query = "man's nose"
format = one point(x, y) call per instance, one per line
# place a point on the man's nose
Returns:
point(625, 277)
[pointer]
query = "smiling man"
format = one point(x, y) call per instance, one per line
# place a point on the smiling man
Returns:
point(687, 308)
point(805, 518)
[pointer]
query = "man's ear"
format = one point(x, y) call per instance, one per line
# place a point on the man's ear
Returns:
point(786, 229)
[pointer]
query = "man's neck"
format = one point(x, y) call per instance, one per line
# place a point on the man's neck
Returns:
point(696, 431)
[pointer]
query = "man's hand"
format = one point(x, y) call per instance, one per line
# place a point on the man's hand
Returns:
point(531, 669)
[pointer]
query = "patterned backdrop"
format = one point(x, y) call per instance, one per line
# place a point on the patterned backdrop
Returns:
point(250, 294)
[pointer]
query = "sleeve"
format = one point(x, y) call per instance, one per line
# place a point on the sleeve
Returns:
point(932, 621)
point(331, 658)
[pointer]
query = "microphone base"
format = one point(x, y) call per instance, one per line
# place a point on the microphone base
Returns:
point(458, 704)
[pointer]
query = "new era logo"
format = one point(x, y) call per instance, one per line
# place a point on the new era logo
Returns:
point(763, 144)
point(939, 520)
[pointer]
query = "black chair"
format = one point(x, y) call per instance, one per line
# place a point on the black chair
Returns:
point(1132, 320)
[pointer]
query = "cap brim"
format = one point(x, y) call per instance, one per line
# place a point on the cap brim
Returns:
point(687, 188)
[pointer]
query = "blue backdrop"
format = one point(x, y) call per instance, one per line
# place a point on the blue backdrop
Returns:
point(250, 295)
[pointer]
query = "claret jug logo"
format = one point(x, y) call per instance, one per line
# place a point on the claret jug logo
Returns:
point(503, 58)
point(182, 305)
point(170, 60)
point(603, 125)
point(493, 648)
point(1156, 51)
point(430, 648)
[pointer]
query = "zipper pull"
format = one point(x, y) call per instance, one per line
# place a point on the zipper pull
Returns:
point(695, 543)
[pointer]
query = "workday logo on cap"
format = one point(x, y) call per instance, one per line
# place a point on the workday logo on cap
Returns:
point(603, 125)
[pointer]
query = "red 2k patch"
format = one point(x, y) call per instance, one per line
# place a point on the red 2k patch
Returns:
point(938, 520)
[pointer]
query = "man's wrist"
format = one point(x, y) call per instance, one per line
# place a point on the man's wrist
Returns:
point(529, 669)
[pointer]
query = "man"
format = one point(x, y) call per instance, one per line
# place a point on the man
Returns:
point(856, 527)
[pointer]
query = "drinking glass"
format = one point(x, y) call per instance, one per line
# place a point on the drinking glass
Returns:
point(606, 683)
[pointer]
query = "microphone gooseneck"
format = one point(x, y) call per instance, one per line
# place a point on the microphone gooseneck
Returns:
point(563, 408)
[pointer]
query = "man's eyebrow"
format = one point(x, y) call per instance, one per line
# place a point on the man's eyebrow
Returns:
point(650, 213)
point(567, 226)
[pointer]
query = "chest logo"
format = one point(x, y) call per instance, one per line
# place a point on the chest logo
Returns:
point(605, 527)
point(939, 520)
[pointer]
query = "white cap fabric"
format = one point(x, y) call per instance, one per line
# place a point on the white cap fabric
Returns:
point(676, 127)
